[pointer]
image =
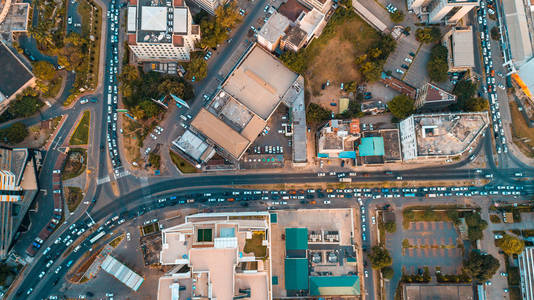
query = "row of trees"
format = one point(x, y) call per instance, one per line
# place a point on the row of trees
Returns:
point(437, 66)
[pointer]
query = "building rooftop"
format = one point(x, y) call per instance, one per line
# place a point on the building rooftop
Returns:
point(435, 94)
point(518, 32)
point(16, 19)
point(292, 9)
point(295, 35)
point(371, 146)
point(158, 21)
point(274, 28)
point(311, 21)
point(463, 54)
point(14, 73)
point(525, 78)
point(440, 135)
point(335, 285)
point(296, 239)
point(191, 144)
point(296, 274)
point(220, 133)
point(260, 82)
point(122, 273)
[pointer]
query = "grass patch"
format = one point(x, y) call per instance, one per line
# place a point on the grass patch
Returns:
point(117, 241)
point(183, 165)
point(91, 17)
point(150, 228)
point(81, 133)
point(254, 245)
point(74, 196)
point(75, 163)
point(522, 135)
point(54, 86)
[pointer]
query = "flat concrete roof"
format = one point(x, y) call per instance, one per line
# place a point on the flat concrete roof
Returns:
point(253, 128)
point(220, 264)
point(14, 74)
point(260, 82)
point(154, 18)
point(191, 144)
point(274, 28)
point(517, 28)
point(220, 133)
point(462, 48)
point(526, 73)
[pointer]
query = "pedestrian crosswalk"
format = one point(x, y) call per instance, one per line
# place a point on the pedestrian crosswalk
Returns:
point(103, 180)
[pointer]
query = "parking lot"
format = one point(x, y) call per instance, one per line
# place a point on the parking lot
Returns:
point(273, 147)
point(431, 244)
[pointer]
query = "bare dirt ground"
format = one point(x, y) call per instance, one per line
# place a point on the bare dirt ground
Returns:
point(40, 133)
point(335, 61)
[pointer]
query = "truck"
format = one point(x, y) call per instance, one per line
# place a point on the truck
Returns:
point(345, 179)
point(97, 237)
point(109, 99)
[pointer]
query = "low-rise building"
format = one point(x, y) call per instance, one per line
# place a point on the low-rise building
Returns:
point(13, 18)
point(161, 31)
point(337, 139)
point(272, 31)
point(460, 46)
point(433, 97)
point(217, 256)
point(373, 107)
point(238, 113)
point(440, 136)
point(15, 76)
point(321, 5)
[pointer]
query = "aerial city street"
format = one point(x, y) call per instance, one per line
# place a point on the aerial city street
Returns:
point(267, 149)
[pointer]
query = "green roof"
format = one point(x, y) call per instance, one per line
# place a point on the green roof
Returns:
point(296, 274)
point(296, 239)
point(371, 146)
point(274, 218)
point(334, 285)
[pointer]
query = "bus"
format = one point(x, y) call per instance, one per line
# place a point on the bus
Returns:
point(97, 237)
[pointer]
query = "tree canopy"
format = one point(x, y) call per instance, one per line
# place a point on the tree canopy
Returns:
point(475, 226)
point(215, 29)
point(401, 106)
point(397, 16)
point(390, 227)
point(428, 35)
point(14, 134)
point(465, 90)
point(510, 244)
point(387, 272)
point(495, 33)
point(24, 106)
point(380, 257)
point(480, 266)
point(197, 67)
point(316, 114)
point(44, 70)
point(437, 66)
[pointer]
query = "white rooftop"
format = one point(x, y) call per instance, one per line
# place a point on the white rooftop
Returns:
point(311, 21)
point(274, 28)
point(180, 20)
point(154, 18)
point(132, 18)
point(462, 48)
point(517, 28)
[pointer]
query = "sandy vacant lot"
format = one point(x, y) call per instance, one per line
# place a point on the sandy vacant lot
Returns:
point(335, 60)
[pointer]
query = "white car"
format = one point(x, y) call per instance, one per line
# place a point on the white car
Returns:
point(83, 101)
point(326, 202)
point(42, 274)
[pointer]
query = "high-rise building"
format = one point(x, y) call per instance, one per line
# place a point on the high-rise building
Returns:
point(159, 30)
point(210, 5)
point(321, 5)
point(18, 187)
point(441, 11)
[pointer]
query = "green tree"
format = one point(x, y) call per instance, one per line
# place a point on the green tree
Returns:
point(5, 272)
point(296, 61)
point(380, 257)
point(169, 86)
point(227, 15)
point(465, 89)
point(437, 66)
point(495, 33)
point(387, 272)
point(511, 244)
point(408, 215)
point(44, 70)
point(128, 74)
point(316, 114)
point(24, 106)
point(401, 106)
point(149, 108)
point(397, 16)
point(154, 160)
point(197, 67)
point(371, 71)
point(390, 227)
point(14, 134)
point(428, 35)
point(480, 266)
point(476, 104)
point(475, 226)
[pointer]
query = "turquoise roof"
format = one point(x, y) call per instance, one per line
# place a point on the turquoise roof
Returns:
point(296, 239)
point(296, 274)
point(371, 146)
